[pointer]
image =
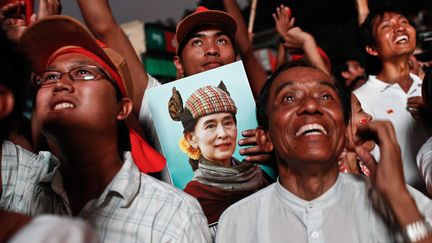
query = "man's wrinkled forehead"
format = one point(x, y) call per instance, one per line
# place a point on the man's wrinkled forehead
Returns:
point(317, 83)
point(293, 78)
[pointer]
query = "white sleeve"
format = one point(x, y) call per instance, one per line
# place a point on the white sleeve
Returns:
point(424, 163)
point(145, 118)
point(55, 229)
point(149, 129)
point(197, 230)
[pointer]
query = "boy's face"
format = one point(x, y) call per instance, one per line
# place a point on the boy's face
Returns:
point(81, 105)
point(394, 36)
point(209, 48)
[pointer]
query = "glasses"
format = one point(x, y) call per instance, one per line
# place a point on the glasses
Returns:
point(76, 74)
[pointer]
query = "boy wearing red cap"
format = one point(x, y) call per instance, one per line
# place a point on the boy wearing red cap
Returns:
point(82, 104)
point(19, 227)
point(217, 31)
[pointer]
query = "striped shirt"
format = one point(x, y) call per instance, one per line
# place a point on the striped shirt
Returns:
point(133, 208)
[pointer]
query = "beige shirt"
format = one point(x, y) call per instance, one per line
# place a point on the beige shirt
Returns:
point(342, 214)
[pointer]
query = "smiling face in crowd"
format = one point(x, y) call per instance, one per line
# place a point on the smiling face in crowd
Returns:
point(305, 119)
point(393, 34)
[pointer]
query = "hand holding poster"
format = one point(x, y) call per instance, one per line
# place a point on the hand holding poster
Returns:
point(198, 120)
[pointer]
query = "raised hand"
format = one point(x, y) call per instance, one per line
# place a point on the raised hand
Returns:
point(283, 20)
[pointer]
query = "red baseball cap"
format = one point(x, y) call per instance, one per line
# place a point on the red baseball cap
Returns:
point(203, 16)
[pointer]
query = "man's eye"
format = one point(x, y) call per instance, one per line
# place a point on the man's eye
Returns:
point(404, 21)
point(196, 42)
point(83, 73)
point(48, 77)
point(288, 98)
point(222, 41)
point(385, 26)
point(326, 97)
point(51, 77)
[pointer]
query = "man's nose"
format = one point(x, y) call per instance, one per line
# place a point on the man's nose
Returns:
point(65, 83)
point(309, 105)
point(212, 49)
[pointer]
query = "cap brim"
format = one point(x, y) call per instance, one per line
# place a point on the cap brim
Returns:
point(206, 17)
point(41, 39)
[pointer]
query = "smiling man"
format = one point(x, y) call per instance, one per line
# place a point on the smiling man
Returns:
point(394, 93)
point(300, 112)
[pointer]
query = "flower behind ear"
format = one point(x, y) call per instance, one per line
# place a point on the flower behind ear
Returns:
point(186, 148)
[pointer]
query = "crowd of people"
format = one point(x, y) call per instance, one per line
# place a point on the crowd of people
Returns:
point(351, 147)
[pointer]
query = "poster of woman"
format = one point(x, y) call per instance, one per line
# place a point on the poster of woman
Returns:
point(198, 120)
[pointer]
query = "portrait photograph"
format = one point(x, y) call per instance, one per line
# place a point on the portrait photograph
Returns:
point(222, 93)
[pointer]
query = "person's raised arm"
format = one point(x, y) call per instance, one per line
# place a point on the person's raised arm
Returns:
point(296, 39)
point(14, 24)
point(390, 168)
point(255, 72)
point(362, 10)
point(101, 22)
point(281, 55)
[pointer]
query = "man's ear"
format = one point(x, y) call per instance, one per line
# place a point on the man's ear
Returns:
point(124, 108)
point(7, 102)
point(371, 51)
point(263, 140)
point(179, 67)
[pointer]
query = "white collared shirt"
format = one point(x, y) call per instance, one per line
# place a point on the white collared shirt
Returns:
point(342, 214)
point(386, 101)
point(134, 207)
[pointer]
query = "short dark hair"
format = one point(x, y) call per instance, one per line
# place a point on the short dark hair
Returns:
point(341, 64)
point(372, 63)
point(14, 75)
point(261, 106)
point(366, 28)
point(203, 26)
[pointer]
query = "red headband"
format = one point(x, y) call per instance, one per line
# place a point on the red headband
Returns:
point(145, 157)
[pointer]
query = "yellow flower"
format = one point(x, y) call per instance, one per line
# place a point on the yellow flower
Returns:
point(186, 148)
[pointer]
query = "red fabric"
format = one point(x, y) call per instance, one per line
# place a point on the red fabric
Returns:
point(322, 53)
point(28, 10)
point(201, 9)
point(170, 43)
point(145, 157)
point(214, 200)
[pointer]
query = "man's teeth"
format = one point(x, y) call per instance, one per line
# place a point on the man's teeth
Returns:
point(401, 39)
point(63, 105)
point(311, 129)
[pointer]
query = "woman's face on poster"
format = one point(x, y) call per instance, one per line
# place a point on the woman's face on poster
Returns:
point(216, 136)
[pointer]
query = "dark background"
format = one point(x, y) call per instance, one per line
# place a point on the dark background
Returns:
point(333, 23)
